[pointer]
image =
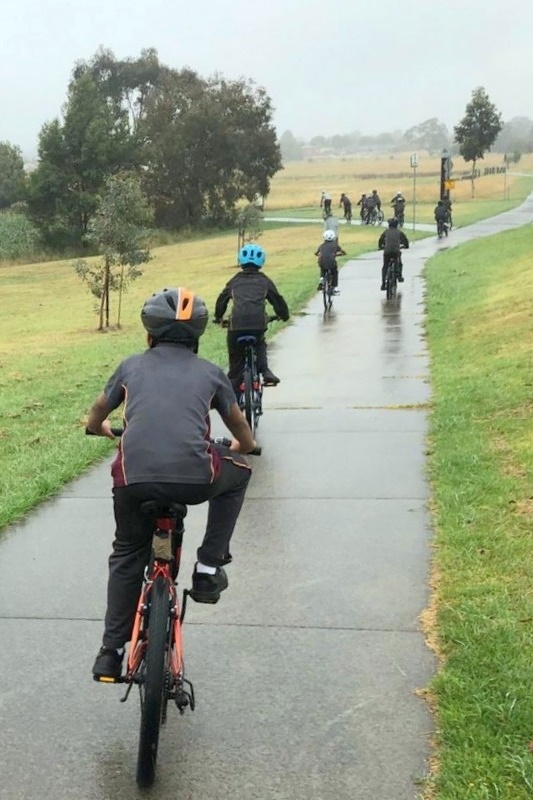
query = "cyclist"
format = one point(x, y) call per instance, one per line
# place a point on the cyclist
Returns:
point(448, 206)
point(165, 454)
point(369, 206)
point(325, 202)
point(377, 199)
point(362, 202)
point(249, 290)
point(331, 223)
point(347, 205)
point(327, 254)
point(392, 241)
point(440, 212)
point(398, 203)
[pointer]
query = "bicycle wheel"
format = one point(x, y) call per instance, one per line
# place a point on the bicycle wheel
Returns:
point(154, 685)
point(325, 291)
point(248, 397)
point(390, 281)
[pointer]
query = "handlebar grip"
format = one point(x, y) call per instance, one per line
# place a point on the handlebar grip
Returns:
point(115, 431)
point(225, 442)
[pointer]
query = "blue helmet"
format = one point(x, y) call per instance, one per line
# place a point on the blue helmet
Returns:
point(252, 255)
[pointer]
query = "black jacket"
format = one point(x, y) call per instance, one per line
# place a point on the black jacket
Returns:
point(249, 290)
point(392, 240)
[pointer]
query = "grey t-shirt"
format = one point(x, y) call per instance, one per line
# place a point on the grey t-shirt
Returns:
point(167, 393)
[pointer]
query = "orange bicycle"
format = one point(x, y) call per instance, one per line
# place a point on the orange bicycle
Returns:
point(155, 657)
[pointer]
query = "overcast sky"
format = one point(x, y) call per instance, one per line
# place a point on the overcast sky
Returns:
point(329, 67)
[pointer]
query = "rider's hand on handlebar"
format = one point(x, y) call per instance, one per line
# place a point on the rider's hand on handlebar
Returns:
point(105, 430)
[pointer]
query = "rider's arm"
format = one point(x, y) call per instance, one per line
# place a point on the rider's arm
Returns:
point(404, 241)
point(277, 301)
point(236, 423)
point(97, 422)
point(381, 242)
point(222, 301)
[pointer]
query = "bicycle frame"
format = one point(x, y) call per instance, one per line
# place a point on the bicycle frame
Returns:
point(251, 386)
point(391, 275)
point(327, 289)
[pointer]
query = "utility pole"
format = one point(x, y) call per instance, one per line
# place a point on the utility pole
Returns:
point(414, 165)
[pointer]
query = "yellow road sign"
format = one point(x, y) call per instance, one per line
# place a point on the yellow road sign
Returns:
point(449, 184)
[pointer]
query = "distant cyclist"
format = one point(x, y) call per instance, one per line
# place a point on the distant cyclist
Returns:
point(392, 241)
point(398, 204)
point(377, 199)
point(369, 206)
point(331, 223)
point(440, 212)
point(249, 291)
point(362, 204)
point(327, 254)
point(325, 202)
point(346, 203)
point(165, 454)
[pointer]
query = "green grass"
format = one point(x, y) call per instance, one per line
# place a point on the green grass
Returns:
point(53, 362)
point(480, 332)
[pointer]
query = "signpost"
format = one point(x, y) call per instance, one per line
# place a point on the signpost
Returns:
point(414, 165)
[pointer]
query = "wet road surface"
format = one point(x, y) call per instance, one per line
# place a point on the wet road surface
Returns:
point(306, 672)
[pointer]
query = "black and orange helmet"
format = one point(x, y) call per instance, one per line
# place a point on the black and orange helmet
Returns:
point(175, 315)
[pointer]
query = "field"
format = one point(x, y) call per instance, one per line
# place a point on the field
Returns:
point(299, 185)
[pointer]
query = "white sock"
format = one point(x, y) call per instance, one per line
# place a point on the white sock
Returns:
point(204, 569)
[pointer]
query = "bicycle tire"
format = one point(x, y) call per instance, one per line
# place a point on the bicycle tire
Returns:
point(248, 397)
point(390, 281)
point(325, 291)
point(154, 685)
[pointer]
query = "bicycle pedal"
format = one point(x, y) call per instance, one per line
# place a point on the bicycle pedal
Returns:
point(106, 679)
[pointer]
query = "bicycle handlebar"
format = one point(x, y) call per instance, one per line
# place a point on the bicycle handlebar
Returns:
point(223, 440)
point(224, 323)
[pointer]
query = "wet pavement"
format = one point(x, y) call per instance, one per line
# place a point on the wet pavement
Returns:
point(307, 671)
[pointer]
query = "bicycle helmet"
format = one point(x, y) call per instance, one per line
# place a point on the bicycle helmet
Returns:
point(175, 315)
point(393, 222)
point(251, 255)
point(329, 236)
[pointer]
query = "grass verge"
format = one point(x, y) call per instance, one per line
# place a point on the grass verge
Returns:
point(53, 362)
point(480, 332)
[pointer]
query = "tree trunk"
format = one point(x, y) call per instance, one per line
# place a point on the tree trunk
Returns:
point(120, 295)
point(473, 179)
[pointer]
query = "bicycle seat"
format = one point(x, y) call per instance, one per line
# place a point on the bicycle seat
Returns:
point(158, 508)
point(246, 339)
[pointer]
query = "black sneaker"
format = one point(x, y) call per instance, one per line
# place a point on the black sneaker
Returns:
point(383, 287)
point(269, 378)
point(400, 278)
point(108, 665)
point(207, 588)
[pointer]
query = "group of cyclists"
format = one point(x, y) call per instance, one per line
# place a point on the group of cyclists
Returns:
point(166, 452)
point(370, 211)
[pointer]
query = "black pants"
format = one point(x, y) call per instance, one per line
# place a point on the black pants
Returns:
point(348, 212)
point(236, 355)
point(386, 256)
point(327, 206)
point(133, 537)
point(334, 269)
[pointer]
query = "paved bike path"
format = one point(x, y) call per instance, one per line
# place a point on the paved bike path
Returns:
point(307, 671)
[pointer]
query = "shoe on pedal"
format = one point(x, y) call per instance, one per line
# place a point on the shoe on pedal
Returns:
point(207, 588)
point(336, 291)
point(320, 285)
point(400, 278)
point(108, 665)
point(269, 379)
point(383, 287)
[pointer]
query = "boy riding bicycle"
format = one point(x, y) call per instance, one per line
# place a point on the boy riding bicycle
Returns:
point(249, 290)
point(166, 454)
point(392, 241)
point(327, 254)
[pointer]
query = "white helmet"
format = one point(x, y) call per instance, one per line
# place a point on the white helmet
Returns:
point(329, 236)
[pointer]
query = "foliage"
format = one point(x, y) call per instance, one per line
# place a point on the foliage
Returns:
point(19, 239)
point(118, 231)
point(291, 149)
point(209, 144)
point(430, 135)
point(515, 136)
point(12, 175)
point(75, 157)
point(477, 131)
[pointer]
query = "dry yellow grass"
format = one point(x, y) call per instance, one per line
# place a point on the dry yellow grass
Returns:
point(299, 185)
